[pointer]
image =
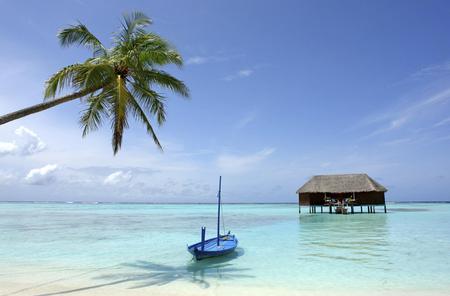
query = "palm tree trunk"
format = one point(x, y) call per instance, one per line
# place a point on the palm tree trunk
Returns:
point(44, 106)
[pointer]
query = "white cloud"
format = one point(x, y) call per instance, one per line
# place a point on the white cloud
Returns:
point(240, 163)
point(196, 60)
point(217, 58)
point(398, 118)
point(7, 148)
point(28, 142)
point(42, 176)
point(245, 73)
point(240, 74)
point(440, 123)
point(118, 177)
point(398, 122)
point(433, 70)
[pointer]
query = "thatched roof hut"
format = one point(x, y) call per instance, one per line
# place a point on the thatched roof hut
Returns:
point(341, 184)
point(359, 188)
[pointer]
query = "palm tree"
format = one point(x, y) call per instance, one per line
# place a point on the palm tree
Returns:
point(115, 82)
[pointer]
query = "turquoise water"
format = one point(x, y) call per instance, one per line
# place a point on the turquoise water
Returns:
point(140, 246)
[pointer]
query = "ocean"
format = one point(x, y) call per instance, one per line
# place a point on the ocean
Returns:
point(140, 249)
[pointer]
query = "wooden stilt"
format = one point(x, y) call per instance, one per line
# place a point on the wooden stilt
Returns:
point(321, 209)
point(374, 209)
point(361, 209)
point(368, 209)
point(330, 209)
point(385, 208)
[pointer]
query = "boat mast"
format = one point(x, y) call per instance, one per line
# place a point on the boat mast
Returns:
point(218, 210)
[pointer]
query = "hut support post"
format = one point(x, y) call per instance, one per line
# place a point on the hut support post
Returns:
point(361, 209)
point(353, 201)
point(374, 209)
point(385, 208)
point(321, 209)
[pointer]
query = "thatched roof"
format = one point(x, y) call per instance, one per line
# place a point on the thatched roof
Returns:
point(341, 184)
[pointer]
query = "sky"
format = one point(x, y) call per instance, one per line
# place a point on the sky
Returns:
point(280, 91)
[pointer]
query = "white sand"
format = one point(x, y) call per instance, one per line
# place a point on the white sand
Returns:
point(61, 287)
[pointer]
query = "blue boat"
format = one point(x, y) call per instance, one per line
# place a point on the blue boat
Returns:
point(216, 246)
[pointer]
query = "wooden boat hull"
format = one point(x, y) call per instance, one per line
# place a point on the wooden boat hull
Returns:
point(227, 245)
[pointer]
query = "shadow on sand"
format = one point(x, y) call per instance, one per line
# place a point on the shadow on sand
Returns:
point(141, 274)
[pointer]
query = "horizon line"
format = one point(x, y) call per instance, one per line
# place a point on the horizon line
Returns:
point(192, 203)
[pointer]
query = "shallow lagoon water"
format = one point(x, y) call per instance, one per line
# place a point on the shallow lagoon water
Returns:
point(56, 248)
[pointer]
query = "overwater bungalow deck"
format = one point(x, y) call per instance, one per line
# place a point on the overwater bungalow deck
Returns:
point(342, 194)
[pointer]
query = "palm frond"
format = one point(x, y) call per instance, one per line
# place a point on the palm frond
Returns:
point(161, 57)
point(164, 80)
point(94, 73)
point(140, 115)
point(132, 23)
point(93, 115)
point(79, 77)
point(119, 111)
point(60, 80)
point(80, 35)
point(151, 101)
point(150, 41)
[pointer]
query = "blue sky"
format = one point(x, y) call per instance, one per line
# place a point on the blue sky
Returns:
point(281, 91)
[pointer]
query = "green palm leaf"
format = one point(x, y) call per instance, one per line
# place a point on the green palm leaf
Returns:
point(95, 112)
point(79, 34)
point(115, 82)
point(140, 115)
